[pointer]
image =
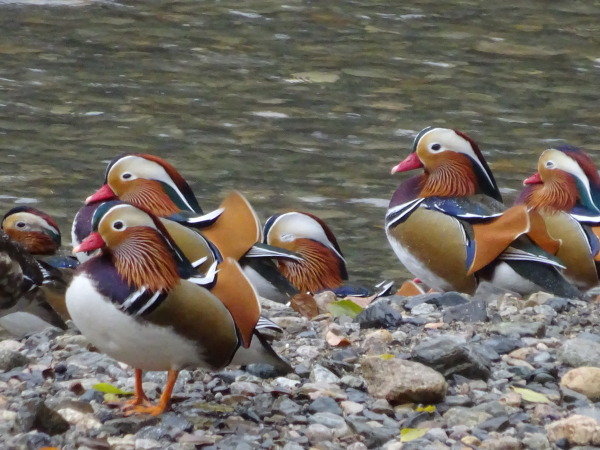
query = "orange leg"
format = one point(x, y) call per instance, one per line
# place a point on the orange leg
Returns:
point(139, 397)
point(163, 402)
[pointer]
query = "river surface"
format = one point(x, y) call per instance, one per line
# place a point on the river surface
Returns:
point(297, 104)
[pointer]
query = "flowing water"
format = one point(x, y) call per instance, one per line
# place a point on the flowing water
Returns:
point(297, 104)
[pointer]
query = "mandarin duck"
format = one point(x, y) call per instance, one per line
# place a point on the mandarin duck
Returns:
point(142, 302)
point(322, 266)
point(35, 286)
point(449, 228)
point(152, 183)
point(565, 191)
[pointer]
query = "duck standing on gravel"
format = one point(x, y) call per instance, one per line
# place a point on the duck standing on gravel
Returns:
point(141, 302)
point(565, 191)
point(152, 183)
point(449, 228)
point(32, 289)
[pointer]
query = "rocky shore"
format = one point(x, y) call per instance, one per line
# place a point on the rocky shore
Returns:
point(436, 371)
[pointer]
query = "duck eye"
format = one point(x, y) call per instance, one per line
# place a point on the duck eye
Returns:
point(549, 164)
point(126, 175)
point(435, 147)
point(20, 224)
point(118, 225)
point(287, 237)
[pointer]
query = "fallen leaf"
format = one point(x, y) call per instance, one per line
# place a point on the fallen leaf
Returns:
point(428, 408)
point(434, 325)
point(336, 340)
point(112, 398)
point(410, 434)
point(531, 396)
point(344, 308)
point(363, 302)
point(409, 289)
point(305, 304)
point(108, 388)
point(385, 356)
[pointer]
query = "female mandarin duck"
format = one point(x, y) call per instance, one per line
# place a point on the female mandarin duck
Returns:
point(141, 302)
point(34, 287)
point(322, 265)
point(565, 191)
point(152, 183)
point(450, 229)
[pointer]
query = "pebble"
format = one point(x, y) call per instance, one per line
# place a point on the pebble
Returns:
point(536, 441)
point(400, 381)
point(424, 309)
point(468, 417)
point(520, 329)
point(334, 422)
point(317, 432)
point(379, 315)
point(325, 404)
point(351, 408)
point(578, 352)
point(473, 311)
point(576, 429)
point(501, 443)
point(320, 374)
point(452, 378)
point(451, 355)
point(585, 380)
point(11, 359)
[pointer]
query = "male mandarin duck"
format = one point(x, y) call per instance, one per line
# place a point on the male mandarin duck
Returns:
point(199, 250)
point(152, 183)
point(141, 302)
point(449, 228)
point(565, 191)
point(36, 288)
point(322, 265)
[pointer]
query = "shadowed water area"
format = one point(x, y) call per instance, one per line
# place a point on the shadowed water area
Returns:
point(299, 105)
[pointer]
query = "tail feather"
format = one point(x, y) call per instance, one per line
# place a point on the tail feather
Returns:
point(260, 352)
point(547, 277)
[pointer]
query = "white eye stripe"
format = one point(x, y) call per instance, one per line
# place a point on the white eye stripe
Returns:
point(142, 168)
point(287, 237)
point(550, 165)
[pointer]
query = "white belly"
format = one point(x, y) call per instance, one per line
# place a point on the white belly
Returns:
point(133, 341)
point(505, 277)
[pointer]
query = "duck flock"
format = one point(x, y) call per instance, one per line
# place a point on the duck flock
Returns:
point(158, 284)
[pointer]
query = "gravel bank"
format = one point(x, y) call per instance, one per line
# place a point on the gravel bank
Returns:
point(429, 372)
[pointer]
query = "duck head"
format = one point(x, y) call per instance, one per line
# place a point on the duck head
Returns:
point(452, 163)
point(323, 265)
point(149, 182)
point(566, 177)
point(32, 228)
point(138, 245)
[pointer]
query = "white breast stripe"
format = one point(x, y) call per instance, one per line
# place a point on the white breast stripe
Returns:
point(211, 216)
point(208, 278)
point(148, 303)
point(405, 209)
point(195, 264)
point(132, 299)
point(586, 219)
